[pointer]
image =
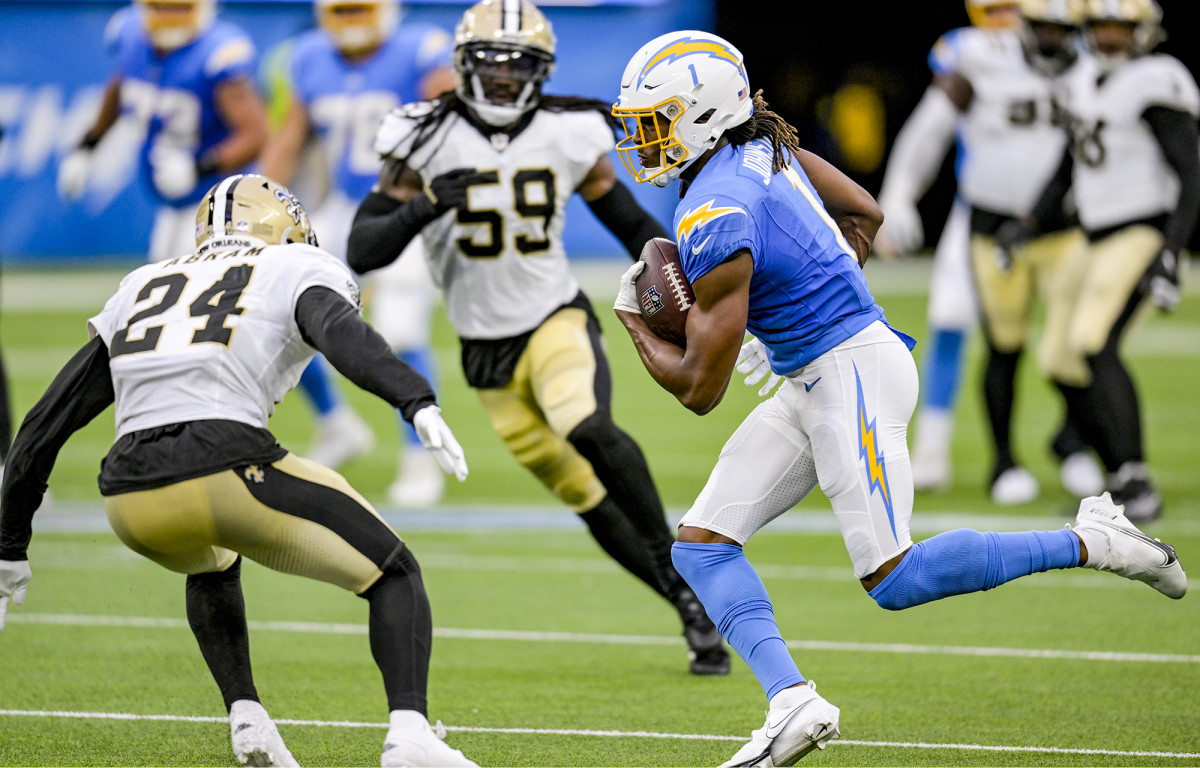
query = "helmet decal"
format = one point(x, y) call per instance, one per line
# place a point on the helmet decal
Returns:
point(690, 46)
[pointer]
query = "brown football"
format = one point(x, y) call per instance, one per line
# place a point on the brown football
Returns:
point(663, 291)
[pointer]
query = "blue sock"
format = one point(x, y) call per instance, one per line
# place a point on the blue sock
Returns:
point(943, 367)
point(737, 602)
point(317, 383)
point(962, 561)
point(422, 362)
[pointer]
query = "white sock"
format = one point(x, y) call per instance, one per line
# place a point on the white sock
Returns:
point(1096, 543)
point(407, 720)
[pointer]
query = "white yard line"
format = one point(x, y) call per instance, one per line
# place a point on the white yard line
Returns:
point(305, 627)
point(604, 734)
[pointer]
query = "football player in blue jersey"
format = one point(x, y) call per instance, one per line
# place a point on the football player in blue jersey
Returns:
point(340, 80)
point(772, 239)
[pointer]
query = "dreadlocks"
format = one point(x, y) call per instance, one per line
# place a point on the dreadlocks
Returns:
point(764, 123)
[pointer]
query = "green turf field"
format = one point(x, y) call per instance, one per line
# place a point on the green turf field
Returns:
point(547, 654)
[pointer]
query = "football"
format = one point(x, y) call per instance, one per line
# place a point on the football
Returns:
point(663, 291)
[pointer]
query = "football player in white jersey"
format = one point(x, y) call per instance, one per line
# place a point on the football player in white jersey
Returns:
point(985, 59)
point(194, 352)
point(483, 177)
point(1135, 174)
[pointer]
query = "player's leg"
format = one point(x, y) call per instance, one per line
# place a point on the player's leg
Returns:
point(1005, 299)
point(952, 316)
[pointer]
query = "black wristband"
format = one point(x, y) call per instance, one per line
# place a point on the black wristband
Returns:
point(89, 142)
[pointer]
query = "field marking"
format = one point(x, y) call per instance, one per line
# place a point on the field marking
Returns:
point(604, 733)
point(306, 627)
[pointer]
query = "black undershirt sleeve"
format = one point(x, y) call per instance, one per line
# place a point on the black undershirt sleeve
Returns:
point(79, 393)
point(1177, 135)
point(333, 327)
point(1049, 206)
point(631, 223)
point(382, 227)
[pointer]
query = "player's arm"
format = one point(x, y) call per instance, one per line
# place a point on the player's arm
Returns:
point(699, 375)
point(80, 392)
point(281, 154)
point(1176, 133)
point(857, 214)
point(110, 110)
point(76, 167)
point(616, 208)
point(241, 109)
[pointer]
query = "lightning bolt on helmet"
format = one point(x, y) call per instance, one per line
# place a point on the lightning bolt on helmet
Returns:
point(1048, 33)
point(679, 94)
point(172, 24)
point(251, 210)
point(503, 52)
point(357, 26)
point(982, 13)
point(1145, 16)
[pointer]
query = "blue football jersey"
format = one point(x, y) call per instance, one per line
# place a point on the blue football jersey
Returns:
point(173, 95)
point(346, 101)
point(807, 294)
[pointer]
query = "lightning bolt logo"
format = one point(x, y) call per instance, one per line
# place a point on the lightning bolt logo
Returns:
point(872, 456)
point(700, 216)
point(690, 47)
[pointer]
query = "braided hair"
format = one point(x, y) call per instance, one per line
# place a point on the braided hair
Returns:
point(764, 123)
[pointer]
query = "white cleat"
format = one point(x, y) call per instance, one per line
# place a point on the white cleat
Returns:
point(798, 722)
point(412, 743)
point(1080, 474)
point(420, 482)
point(1115, 544)
point(255, 739)
point(341, 435)
point(1015, 486)
point(930, 474)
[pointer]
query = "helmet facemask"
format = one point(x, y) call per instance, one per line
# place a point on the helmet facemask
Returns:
point(501, 82)
point(1141, 18)
point(358, 26)
point(172, 24)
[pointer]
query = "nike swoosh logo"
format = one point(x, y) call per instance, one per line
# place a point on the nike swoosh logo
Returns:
point(773, 728)
point(808, 387)
point(700, 246)
point(1167, 550)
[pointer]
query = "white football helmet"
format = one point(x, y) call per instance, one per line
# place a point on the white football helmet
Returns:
point(679, 94)
point(172, 24)
point(983, 13)
point(357, 26)
point(250, 210)
point(1145, 16)
point(1048, 33)
point(503, 52)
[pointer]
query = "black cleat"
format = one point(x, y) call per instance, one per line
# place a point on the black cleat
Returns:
point(706, 651)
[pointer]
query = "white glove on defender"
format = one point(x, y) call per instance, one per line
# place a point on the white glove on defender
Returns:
point(902, 232)
point(437, 438)
point(73, 174)
point(14, 579)
point(174, 171)
point(627, 300)
point(753, 362)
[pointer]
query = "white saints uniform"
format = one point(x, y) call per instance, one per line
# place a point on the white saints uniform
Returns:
point(212, 335)
point(500, 262)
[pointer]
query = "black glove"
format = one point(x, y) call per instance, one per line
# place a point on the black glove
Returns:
point(449, 190)
point(1164, 281)
point(1011, 235)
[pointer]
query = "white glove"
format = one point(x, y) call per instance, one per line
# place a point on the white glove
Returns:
point(627, 300)
point(1164, 281)
point(753, 361)
point(902, 231)
point(174, 171)
point(73, 174)
point(14, 579)
point(437, 438)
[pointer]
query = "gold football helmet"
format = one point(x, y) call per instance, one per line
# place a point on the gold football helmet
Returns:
point(1144, 16)
point(988, 14)
point(1048, 33)
point(503, 52)
point(358, 26)
point(172, 24)
point(251, 210)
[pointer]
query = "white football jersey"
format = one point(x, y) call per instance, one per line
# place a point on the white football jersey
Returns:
point(1012, 139)
point(500, 262)
point(212, 336)
point(1120, 173)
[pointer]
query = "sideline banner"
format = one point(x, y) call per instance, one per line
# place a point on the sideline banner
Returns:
point(54, 66)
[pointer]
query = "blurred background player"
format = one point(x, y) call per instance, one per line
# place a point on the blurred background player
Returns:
point(193, 354)
point(1134, 172)
point(500, 162)
point(985, 57)
point(187, 79)
point(339, 81)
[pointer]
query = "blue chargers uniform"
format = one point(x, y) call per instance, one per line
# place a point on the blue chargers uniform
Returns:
point(346, 101)
point(807, 294)
point(174, 93)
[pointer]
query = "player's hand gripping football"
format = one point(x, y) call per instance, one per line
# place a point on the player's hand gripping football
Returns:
point(627, 300)
point(1164, 281)
point(437, 438)
point(753, 362)
point(14, 580)
point(449, 190)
